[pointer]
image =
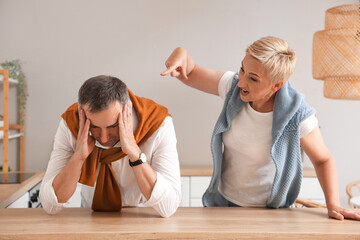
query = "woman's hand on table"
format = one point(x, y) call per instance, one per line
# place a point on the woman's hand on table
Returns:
point(340, 213)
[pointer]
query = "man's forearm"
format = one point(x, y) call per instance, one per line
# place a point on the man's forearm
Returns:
point(145, 175)
point(65, 182)
point(146, 178)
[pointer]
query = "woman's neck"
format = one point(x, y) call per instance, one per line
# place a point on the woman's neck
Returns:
point(264, 106)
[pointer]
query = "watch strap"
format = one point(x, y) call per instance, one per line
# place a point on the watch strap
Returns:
point(135, 163)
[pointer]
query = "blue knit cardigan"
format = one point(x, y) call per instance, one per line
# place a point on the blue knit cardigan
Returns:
point(290, 110)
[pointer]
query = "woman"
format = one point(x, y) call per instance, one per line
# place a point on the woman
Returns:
point(257, 140)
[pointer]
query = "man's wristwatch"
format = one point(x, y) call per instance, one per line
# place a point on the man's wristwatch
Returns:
point(141, 160)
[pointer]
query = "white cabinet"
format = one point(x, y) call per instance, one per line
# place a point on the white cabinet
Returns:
point(30, 199)
point(21, 202)
point(198, 185)
point(311, 190)
point(193, 187)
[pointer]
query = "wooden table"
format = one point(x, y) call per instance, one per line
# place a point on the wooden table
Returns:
point(186, 223)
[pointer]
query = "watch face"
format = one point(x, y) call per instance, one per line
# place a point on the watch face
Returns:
point(143, 157)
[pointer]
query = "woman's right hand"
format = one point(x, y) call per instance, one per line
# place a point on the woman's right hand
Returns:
point(182, 66)
point(177, 64)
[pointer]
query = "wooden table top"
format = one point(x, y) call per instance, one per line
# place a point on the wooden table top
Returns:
point(186, 223)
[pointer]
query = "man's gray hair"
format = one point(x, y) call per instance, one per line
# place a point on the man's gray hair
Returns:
point(98, 92)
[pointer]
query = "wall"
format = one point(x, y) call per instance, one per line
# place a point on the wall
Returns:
point(63, 43)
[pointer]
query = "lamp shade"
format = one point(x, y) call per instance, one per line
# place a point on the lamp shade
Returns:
point(336, 53)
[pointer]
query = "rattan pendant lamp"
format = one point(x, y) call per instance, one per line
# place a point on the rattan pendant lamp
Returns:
point(336, 53)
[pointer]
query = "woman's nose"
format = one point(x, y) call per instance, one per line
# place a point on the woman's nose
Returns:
point(241, 82)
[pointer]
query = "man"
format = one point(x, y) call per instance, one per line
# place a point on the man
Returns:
point(121, 147)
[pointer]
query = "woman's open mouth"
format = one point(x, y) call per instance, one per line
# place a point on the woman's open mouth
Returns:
point(243, 92)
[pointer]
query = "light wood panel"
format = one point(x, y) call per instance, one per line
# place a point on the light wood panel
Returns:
point(187, 223)
point(196, 170)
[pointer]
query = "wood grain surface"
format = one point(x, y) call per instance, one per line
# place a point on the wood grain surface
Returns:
point(186, 223)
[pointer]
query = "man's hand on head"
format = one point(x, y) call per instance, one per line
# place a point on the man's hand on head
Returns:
point(127, 139)
point(85, 144)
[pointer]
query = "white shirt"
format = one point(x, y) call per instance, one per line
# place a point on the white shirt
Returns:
point(162, 156)
point(248, 170)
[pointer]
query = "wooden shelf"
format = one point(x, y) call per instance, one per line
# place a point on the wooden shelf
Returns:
point(13, 136)
point(6, 134)
point(10, 79)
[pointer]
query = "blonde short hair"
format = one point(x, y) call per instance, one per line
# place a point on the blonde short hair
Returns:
point(275, 55)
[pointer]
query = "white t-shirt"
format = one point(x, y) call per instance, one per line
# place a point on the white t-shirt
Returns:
point(248, 170)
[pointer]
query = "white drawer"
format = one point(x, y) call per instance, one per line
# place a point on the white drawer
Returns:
point(196, 202)
point(198, 186)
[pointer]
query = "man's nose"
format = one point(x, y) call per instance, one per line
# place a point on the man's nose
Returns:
point(104, 136)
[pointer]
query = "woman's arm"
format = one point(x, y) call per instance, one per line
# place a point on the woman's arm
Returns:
point(326, 172)
point(183, 67)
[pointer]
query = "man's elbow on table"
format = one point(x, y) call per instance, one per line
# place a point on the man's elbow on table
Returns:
point(167, 211)
point(48, 198)
point(165, 201)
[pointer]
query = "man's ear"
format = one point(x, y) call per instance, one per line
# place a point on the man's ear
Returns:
point(277, 86)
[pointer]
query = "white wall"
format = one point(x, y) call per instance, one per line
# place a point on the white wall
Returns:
point(63, 43)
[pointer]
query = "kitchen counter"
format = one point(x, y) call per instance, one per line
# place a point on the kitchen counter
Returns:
point(186, 223)
point(12, 191)
point(206, 170)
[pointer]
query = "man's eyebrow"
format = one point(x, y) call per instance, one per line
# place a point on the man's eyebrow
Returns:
point(92, 125)
point(113, 125)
